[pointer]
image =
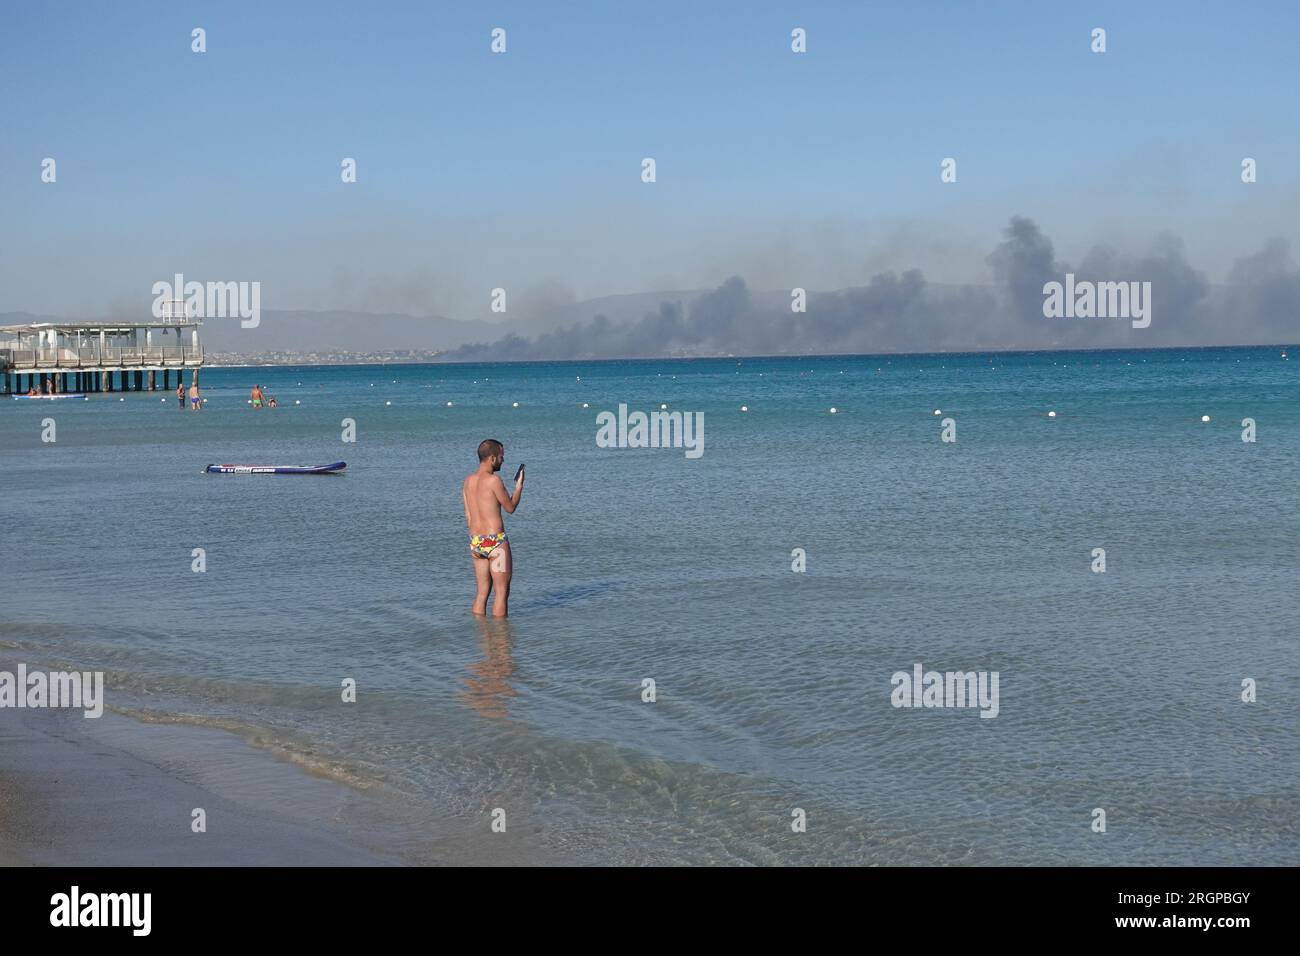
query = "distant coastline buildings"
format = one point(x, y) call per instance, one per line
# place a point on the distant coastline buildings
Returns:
point(324, 357)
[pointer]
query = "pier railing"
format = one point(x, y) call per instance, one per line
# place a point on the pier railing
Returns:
point(31, 359)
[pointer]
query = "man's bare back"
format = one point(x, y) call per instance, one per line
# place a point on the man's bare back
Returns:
point(484, 495)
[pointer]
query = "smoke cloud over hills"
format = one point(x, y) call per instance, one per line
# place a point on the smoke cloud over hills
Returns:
point(902, 312)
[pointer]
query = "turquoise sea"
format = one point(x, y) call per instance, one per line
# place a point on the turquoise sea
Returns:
point(1118, 690)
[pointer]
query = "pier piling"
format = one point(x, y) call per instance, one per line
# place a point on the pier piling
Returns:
point(63, 357)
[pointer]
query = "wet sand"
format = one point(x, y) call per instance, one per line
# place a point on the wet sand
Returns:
point(118, 792)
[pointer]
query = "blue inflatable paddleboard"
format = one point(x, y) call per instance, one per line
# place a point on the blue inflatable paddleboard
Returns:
point(333, 469)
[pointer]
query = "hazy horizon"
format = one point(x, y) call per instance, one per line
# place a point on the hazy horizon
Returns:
point(521, 170)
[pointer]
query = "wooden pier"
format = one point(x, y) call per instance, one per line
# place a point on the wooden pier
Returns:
point(86, 355)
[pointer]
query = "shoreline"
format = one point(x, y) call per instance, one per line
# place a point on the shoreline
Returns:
point(121, 790)
point(944, 353)
point(123, 793)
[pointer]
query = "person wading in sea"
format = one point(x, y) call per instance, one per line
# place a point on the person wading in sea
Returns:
point(484, 494)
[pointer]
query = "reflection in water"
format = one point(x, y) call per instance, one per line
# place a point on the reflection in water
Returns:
point(488, 689)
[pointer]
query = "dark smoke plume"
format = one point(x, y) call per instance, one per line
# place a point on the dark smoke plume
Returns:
point(904, 313)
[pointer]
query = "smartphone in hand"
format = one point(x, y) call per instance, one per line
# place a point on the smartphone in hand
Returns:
point(520, 473)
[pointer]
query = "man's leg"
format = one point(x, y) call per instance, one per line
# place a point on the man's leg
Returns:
point(482, 583)
point(502, 570)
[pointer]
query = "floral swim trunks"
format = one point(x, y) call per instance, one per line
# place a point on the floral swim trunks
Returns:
point(484, 544)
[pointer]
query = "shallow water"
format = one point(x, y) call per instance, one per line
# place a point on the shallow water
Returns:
point(1117, 690)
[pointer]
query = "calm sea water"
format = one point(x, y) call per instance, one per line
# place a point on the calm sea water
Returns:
point(1118, 690)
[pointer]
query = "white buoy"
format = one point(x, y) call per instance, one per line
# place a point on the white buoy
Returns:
point(515, 405)
point(1051, 414)
point(937, 412)
point(585, 405)
point(388, 403)
point(449, 404)
point(296, 401)
point(248, 401)
point(744, 408)
point(662, 407)
point(121, 399)
point(1205, 418)
point(162, 400)
point(834, 410)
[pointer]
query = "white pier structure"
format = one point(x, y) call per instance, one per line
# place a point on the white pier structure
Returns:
point(84, 355)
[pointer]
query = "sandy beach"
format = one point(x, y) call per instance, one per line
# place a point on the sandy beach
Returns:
point(119, 792)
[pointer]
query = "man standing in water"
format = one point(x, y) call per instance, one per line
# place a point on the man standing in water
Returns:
point(484, 495)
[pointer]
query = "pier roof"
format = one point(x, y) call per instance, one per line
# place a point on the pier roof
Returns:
point(95, 325)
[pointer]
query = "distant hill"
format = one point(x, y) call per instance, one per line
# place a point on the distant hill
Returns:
point(883, 316)
point(306, 331)
point(363, 331)
point(356, 331)
point(321, 331)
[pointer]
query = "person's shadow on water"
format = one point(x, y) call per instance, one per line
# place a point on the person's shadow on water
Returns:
point(487, 688)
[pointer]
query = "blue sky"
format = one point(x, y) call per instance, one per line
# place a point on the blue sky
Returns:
point(522, 170)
